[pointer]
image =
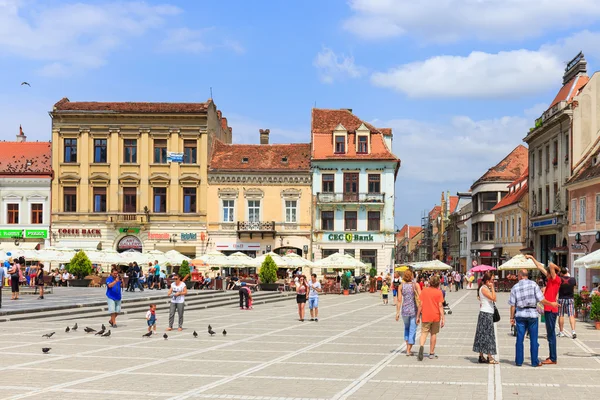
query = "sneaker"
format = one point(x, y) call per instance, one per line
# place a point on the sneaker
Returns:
point(560, 334)
point(312, 319)
point(574, 335)
point(316, 319)
point(433, 356)
point(420, 355)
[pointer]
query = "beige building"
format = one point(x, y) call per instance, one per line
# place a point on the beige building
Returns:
point(132, 176)
point(260, 198)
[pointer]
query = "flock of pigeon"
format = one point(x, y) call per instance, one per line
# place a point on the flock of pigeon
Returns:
point(104, 333)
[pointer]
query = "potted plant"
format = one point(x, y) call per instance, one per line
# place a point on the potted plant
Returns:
point(268, 274)
point(577, 303)
point(346, 284)
point(184, 272)
point(372, 280)
point(595, 310)
point(80, 266)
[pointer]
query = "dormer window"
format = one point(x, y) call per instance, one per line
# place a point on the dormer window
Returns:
point(244, 160)
point(284, 159)
point(340, 144)
point(363, 144)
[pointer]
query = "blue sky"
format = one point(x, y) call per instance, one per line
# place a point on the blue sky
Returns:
point(459, 81)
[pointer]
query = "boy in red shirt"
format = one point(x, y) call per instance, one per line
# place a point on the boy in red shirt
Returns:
point(431, 311)
point(550, 313)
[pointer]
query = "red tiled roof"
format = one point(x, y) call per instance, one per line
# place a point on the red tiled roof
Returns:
point(589, 170)
point(26, 158)
point(570, 89)
point(408, 231)
point(386, 131)
point(435, 211)
point(131, 107)
point(260, 157)
point(509, 169)
point(324, 122)
point(453, 203)
point(514, 196)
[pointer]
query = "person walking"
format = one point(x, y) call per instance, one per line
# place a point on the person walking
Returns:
point(396, 282)
point(39, 280)
point(313, 297)
point(485, 338)
point(113, 295)
point(177, 292)
point(406, 306)
point(566, 302)
point(301, 291)
point(14, 279)
point(157, 278)
point(457, 280)
point(524, 296)
point(431, 312)
point(553, 283)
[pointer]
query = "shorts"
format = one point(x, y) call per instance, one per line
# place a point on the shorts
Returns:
point(114, 306)
point(430, 327)
point(566, 307)
point(394, 293)
point(385, 296)
point(313, 302)
point(300, 298)
point(152, 322)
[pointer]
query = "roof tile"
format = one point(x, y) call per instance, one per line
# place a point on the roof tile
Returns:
point(509, 169)
point(25, 158)
point(131, 107)
point(260, 157)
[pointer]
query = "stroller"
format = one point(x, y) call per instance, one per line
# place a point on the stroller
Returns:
point(447, 309)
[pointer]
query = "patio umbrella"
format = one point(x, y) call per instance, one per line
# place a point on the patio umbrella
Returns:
point(482, 268)
point(589, 261)
point(277, 259)
point(211, 259)
point(401, 268)
point(294, 260)
point(434, 265)
point(518, 262)
point(240, 259)
point(339, 260)
point(51, 254)
point(174, 257)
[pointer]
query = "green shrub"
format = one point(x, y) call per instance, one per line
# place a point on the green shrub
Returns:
point(80, 265)
point(184, 269)
point(268, 271)
point(373, 272)
point(595, 308)
point(345, 282)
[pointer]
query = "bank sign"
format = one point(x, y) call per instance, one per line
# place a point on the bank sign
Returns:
point(351, 237)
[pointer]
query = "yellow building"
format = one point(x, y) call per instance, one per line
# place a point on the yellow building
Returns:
point(132, 175)
point(260, 198)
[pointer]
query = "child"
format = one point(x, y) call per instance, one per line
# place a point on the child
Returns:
point(249, 299)
point(384, 292)
point(151, 318)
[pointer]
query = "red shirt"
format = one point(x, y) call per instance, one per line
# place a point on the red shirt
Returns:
point(551, 292)
point(421, 284)
point(431, 299)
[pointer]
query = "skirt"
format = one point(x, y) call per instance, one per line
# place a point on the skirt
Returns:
point(485, 339)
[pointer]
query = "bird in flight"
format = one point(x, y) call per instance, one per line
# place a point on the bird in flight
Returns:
point(147, 334)
point(107, 334)
point(48, 335)
point(45, 349)
point(25, 83)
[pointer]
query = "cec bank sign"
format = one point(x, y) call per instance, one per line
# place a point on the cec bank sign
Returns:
point(351, 237)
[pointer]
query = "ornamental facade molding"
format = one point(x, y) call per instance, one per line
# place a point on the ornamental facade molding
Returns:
point(261, 180)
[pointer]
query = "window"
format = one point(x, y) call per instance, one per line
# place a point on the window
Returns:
point(598, 207)
point(291, 210)
point(99, 150)
point(37, 213)
point(350, 220)
point(340, 144)
point(547, 158)
point(160, 151)
point(487, 231)
point(539, 199)
point(254, 210)
point(566, 147)
point(190, 150)
point(12, 213)
point(130, 151)
point(350, 252)
point(475, 233)
point(363, 146)
point(519, 227)
point(555, 153)
point(374, 183)
point(488, 200)
point(129, 199)
point(532, 164)
point(70, 199)
point(228, 210)
point(373, 220)
point(328, 252)
point(160, 200)
point(512, 227)
point(328, 181)
point(70, 150)
point(189, 200)
point(540, 163)
point(574, 211)
point(547, 199)
point(327, 220)
point(99, 199)
point(582, 209)
point(499, 232)
point(369, 257)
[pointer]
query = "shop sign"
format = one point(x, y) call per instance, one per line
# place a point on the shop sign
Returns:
point(545, 222)
point(129, 243)
point(11, 233)
point(238, 246)
point(189, 236)
point(174, 157)
point(79, 232)
point(158, 236)
point(350, 237)
point(36, 233)
point(129, 230)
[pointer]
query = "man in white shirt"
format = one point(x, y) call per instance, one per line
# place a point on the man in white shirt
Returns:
point(313, 297)
point(65, 278)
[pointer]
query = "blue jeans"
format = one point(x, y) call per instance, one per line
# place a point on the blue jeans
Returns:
point(551, 333)
point(524, 325)
point(410, 328)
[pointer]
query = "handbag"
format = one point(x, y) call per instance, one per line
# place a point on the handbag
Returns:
point(417, 297)
point(496, 314)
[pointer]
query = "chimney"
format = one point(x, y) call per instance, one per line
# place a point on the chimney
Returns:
point(576, 66)
point(21, 136)
point(264, 136)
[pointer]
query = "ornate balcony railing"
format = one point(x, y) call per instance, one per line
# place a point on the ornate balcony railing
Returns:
point(350, 197)
point(252, 227)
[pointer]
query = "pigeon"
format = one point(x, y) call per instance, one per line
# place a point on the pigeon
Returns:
point(45, 349)
point(209, 328)
point(107, 334)
point(147, 334)
point(224, 332)
point(89, 330)
point(166, 336)
point(100, 332)
point(67, 330)
point(74, 328)
point(103, 327)
point(48, 335)
point(25, 83)
point(211, 332)
point(195, 334)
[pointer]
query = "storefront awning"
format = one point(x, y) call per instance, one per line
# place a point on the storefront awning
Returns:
point(7, 246)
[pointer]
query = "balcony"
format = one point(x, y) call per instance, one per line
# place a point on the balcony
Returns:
point(252, 228)
point(350, 198)
point(127, 218)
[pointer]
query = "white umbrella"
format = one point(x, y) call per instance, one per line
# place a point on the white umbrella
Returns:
point(339, 260)
point(175, 258)
point(279, 261)
point(434, 265)
point(589, 261)
point(518, 262)
point(51, 254)
point(294, 260)
point(240, 259)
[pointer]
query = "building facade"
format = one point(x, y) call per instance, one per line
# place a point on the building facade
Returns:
point(354, 173)
point(464, 226)
point(25, 176)
point(406, 241)
point(132, 176)
point(261, 198)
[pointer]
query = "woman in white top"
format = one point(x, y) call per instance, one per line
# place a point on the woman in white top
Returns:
point(177, 292)
point(485, 339)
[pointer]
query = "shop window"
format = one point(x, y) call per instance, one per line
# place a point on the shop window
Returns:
point(189, 200)
point(160, 199)
point(327, 252)
point(37, 213)
point(328, 181)
point(369, 257)
point(130, 151)
point(12, 211)
point(99, 199)
point(70, 146)
point(350, 219)
point(327, 220)
point(160, 151)
point(100, 150)
point(350, 252)
point(70, 199)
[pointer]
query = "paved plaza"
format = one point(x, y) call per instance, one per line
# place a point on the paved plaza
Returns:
point(354, 351)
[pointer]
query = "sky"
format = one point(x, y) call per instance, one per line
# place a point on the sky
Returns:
point(459, 81)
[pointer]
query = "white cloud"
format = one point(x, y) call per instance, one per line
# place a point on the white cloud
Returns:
point(452, 20)
point(196, 41)
point(333, 67)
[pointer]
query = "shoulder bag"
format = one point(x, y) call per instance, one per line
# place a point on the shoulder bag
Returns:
point(496, 314)
point(417, 297)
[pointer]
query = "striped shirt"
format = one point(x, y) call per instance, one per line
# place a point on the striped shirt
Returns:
point(524, 296)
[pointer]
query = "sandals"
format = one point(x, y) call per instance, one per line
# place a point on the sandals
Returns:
point(483, 360)
point(492, 361)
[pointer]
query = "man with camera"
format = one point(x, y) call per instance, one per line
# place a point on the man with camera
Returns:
point(113, 295)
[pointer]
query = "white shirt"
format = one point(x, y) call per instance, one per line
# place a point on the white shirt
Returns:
point(486, 305)
point(65, 275)
point(313, 289)
point(177, 289)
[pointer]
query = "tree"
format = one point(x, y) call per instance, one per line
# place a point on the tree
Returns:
point(184, 270)
point(268, 270)
point(80, 265)
point(345, 282)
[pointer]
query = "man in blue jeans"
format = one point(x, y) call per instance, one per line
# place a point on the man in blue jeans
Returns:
point(523, 300)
